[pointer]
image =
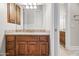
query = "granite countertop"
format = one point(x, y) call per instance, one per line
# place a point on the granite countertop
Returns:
point(28, 32)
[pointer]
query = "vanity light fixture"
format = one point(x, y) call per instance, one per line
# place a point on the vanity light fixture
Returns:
point(31, 6)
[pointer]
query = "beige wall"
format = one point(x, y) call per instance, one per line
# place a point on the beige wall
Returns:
point(74, 25)
point(5, 26)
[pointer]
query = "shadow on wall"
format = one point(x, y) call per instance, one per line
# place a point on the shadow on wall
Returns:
point(2, 48)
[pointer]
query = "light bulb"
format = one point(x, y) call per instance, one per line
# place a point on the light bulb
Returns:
point(27, 7)
point(31, 7)
point(35, 7)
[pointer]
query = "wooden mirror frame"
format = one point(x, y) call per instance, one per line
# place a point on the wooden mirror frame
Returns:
point(13, 13)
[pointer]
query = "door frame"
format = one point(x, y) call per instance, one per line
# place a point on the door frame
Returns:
point(51, 49)
point(56, 29)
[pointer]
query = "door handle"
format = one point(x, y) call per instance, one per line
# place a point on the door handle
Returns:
point(55, 29)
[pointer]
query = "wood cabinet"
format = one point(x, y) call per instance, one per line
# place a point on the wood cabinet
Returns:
point(44, 48)
point(62, 38)
point(33, 48)
point(10, 45)
point(21, 48)
point(27, 45)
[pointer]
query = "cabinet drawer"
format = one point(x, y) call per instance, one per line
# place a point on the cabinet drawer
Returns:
point(44, 38)
point(10, 47)
point(27, 38)
point(10, 37)
point(10, 42)
point(33, 43)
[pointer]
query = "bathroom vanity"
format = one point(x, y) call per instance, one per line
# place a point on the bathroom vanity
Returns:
point(27, 44)
point(62, 38)
point(23, 41)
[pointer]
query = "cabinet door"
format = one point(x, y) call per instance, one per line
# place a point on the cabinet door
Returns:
point(44, 48)
point(33, 48)
point(27, 38)
point(10, 52)
point(21, 48)
point(62, 38)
